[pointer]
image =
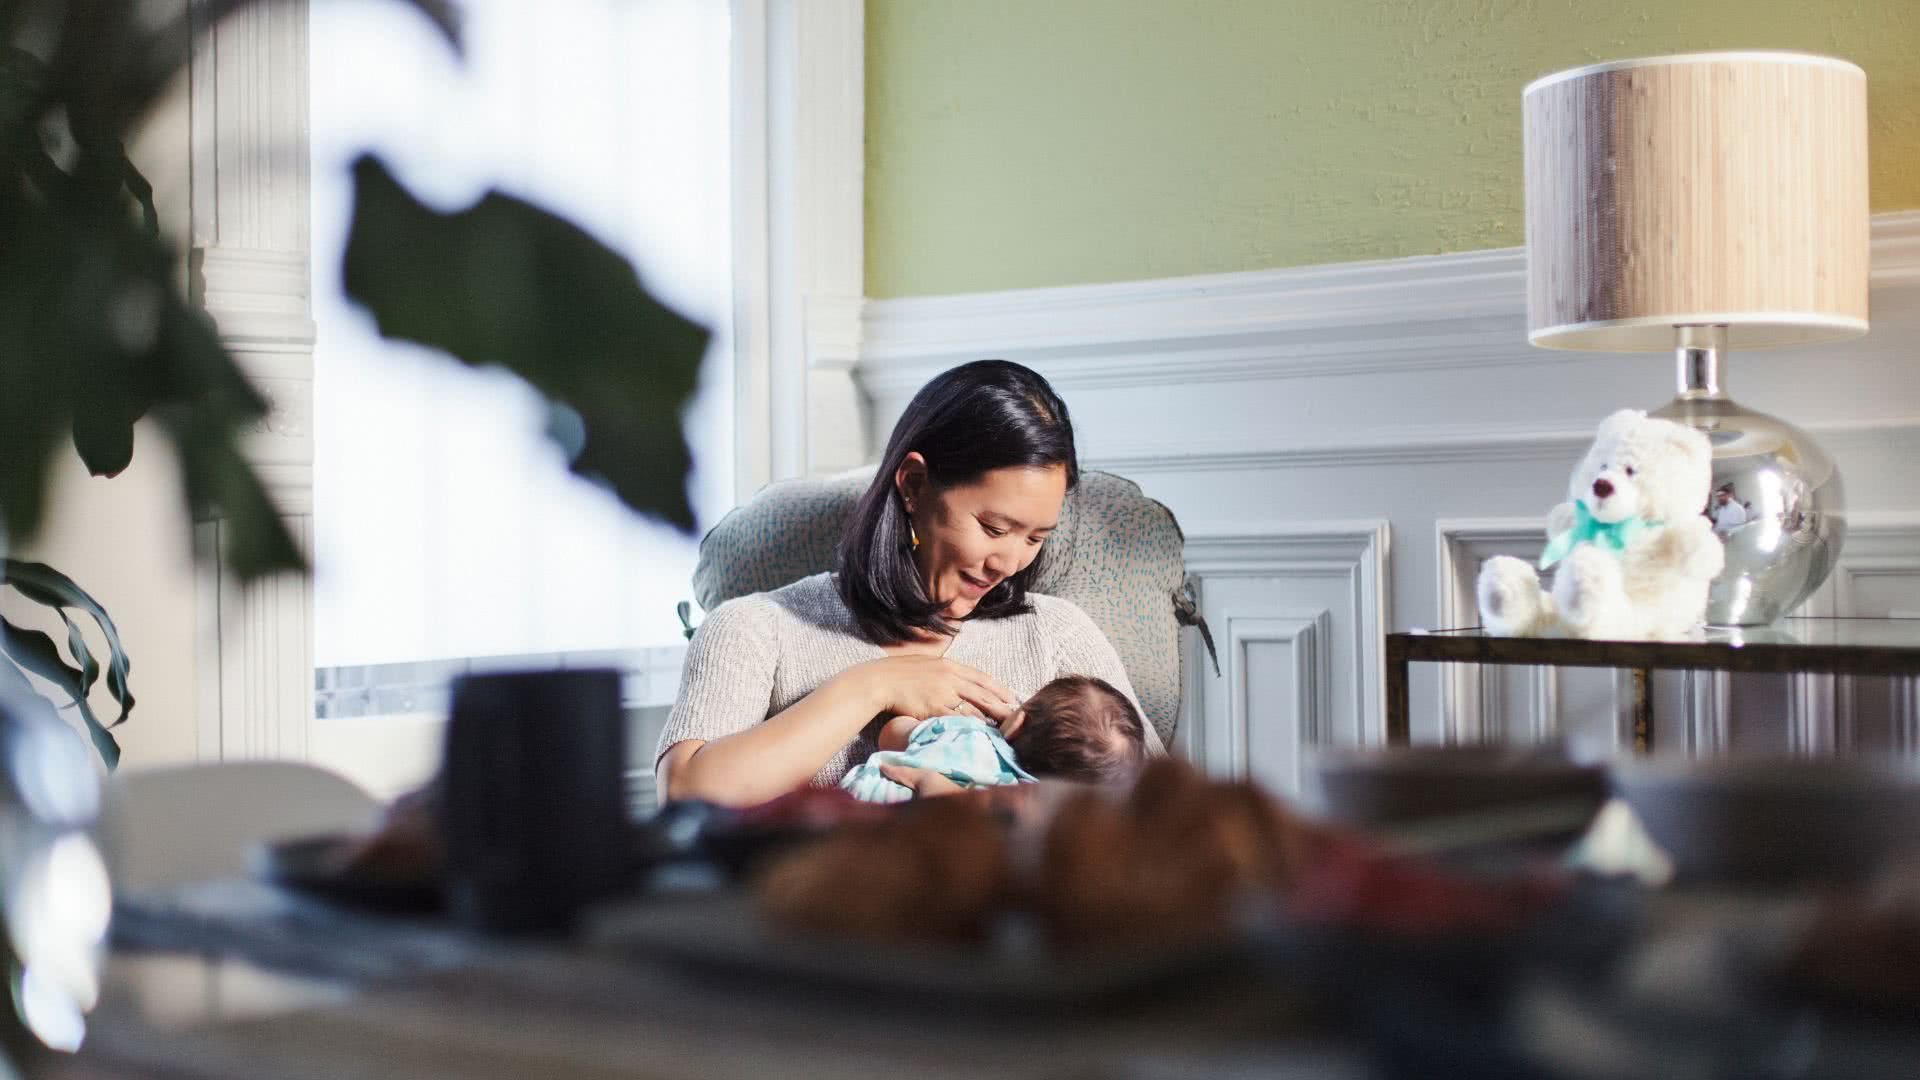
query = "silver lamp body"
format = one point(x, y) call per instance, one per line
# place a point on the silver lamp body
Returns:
point(1786, 536)
point(1722, 196)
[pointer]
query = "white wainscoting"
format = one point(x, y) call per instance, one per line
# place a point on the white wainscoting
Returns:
point(1475, 702)
point(249, 269)
point(1297, 612)
point(1878, 576)
point(1404, 395)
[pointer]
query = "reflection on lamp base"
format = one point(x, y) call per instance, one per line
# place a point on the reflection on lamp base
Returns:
point(1777, 500)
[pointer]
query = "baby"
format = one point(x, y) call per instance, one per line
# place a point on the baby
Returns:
point(1075, 727)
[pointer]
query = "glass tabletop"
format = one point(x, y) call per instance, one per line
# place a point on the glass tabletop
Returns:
point(1801, 644)
point(1801, 631)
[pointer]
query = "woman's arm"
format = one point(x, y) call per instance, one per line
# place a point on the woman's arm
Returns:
point(720, 745)
point(773, 757)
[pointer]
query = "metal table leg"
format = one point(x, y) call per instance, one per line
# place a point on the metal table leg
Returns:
point(1643, 710)
point(1399, 725)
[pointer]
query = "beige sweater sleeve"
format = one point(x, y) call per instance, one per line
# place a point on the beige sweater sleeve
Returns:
point(1079, 648)
point(726, 686)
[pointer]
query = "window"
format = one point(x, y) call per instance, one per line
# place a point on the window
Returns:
point(447, 531)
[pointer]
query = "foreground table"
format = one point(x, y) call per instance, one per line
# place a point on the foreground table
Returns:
point(338, 1001)
point(238, 981)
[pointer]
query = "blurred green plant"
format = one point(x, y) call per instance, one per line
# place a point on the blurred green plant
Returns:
point(24, 650)
point(96, 332)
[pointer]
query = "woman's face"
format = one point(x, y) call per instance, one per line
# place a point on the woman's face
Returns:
point(974, 536)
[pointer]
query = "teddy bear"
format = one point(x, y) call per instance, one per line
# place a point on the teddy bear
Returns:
point(1635, 553)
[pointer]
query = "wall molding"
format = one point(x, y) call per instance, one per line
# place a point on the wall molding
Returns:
point(833, 332)
point(1471, 702)
point(1879, 547)
point(1436, 312)
point(1306, 636)
point(257, 297)
point(1351, 554)
point(799, 155)
point(1441, 444)
point(249, 270)
point(1709, 721)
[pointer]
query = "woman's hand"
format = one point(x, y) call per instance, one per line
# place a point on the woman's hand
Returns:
point(926, 783)
point(924, 686)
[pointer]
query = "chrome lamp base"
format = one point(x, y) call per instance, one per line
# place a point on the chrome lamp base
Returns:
point(1777, 501)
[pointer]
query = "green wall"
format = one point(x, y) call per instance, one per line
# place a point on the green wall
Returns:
point(1015, 143)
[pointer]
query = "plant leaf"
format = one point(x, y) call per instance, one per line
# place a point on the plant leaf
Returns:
point(444, 15)
point(254, 541)
point(44, 585)
point(95, 331)
point(506, 283)
point(18, 690)
point(142, 191)
point(13, 681)
point(52, 332)
point(22, 86)
point(205, 405)
point(35, 652)
point(82, 655)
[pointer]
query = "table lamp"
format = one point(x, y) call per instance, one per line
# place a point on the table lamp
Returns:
point(1702, 203)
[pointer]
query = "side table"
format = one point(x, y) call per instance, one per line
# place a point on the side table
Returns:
point(1837, 646)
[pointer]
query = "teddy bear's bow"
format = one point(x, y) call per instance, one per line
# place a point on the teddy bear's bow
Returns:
point(1613, 536)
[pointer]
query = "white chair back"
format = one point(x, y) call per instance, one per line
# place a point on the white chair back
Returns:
point(187, 823)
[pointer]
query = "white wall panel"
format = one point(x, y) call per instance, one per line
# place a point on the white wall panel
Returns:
point(1405, 393)
point(1878, 577)
point(1482, 703)
point(1298, 614)
point(1272, 700)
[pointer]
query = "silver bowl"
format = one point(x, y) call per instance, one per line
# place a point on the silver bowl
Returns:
point(1774, 821)
point(1384, 788)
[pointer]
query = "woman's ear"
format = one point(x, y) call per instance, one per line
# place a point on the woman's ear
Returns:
point(910, 479)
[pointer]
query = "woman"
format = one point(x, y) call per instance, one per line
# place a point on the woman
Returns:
point(927, 614)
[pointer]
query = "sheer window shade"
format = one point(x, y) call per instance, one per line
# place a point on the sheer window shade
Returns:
point(445, 526)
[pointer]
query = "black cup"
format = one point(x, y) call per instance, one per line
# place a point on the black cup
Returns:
point(535, 813)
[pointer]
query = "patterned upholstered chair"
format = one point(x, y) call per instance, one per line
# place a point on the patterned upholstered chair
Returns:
point(1116, 553)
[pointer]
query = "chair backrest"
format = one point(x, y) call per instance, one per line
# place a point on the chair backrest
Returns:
point(1116, 553)
point(186, 823)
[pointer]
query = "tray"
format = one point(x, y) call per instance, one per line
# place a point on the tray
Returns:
point(721, 934)
point(318, 865)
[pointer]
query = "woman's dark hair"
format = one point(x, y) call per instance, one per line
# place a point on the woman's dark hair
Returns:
point(990, 414)
point(1081, 728)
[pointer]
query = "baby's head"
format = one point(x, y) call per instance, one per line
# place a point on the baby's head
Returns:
point(1080, 728)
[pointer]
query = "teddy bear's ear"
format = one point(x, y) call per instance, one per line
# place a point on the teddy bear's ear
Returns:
point(1691, 442)
point(1621, 422)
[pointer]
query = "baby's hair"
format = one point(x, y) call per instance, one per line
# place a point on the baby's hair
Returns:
point(1081, 728)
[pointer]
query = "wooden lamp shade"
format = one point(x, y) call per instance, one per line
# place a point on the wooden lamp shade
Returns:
point(1704, 189)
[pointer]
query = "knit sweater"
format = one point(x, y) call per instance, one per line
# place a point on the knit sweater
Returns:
point(757, 656)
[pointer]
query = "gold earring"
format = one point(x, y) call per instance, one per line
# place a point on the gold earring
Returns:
point(913, 535)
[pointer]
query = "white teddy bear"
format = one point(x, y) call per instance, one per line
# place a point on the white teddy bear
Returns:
point(1636, 553)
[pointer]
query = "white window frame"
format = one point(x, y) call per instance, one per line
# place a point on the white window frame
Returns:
point(798, 167)
point(799, 238)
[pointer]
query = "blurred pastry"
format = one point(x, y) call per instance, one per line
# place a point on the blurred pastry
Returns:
point(933, 870)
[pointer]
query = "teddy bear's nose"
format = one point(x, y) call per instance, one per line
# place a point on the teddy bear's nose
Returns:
point(1602, 488)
